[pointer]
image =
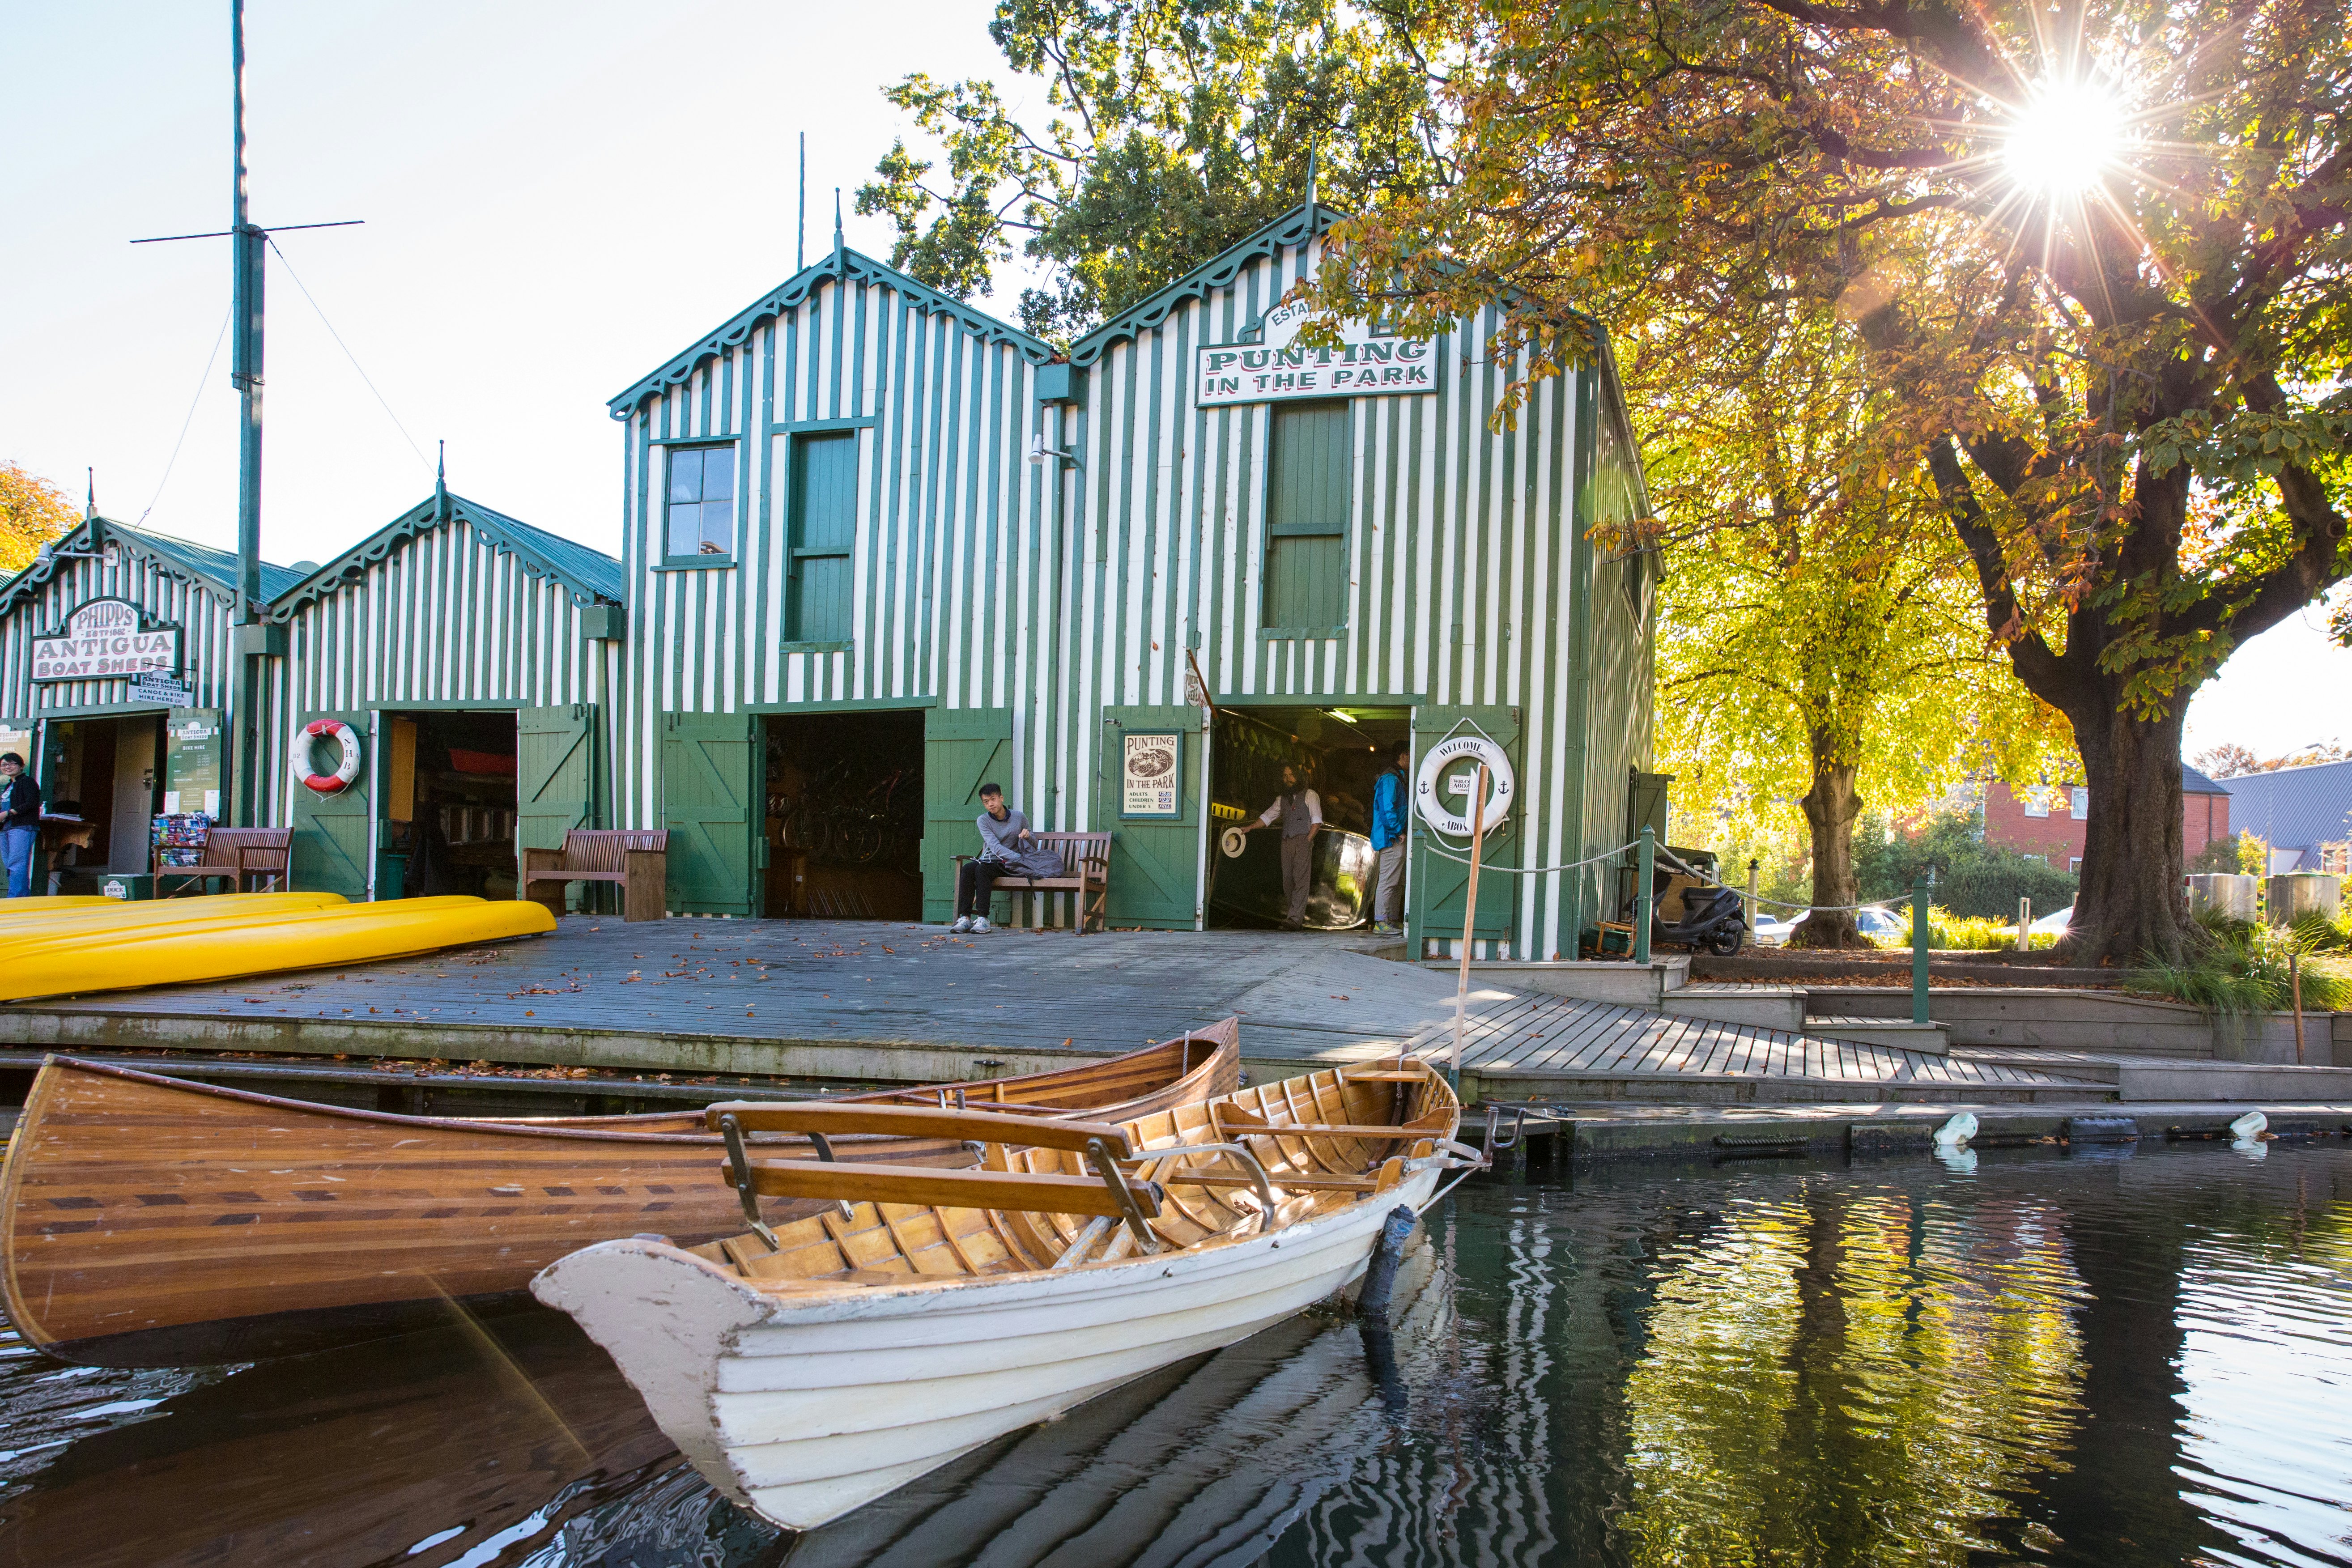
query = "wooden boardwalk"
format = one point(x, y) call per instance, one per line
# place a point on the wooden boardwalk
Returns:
point(891, 1001)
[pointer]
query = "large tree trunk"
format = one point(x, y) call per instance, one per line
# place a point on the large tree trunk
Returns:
point(1832, 807)
point(2130, 908)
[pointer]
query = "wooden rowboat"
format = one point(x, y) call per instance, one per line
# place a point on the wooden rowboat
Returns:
point(149, 1222)
point(809, 1368)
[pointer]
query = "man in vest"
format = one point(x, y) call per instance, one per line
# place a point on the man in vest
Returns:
point(1390, 792)
point(1298, 812)
point(20, 822)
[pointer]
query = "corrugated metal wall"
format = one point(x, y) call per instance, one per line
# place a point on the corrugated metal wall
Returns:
point(975, 589)
point(446, 617)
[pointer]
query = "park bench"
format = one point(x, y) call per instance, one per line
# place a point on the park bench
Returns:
point(238, 853)
point(636, 859)
point(1086, 871)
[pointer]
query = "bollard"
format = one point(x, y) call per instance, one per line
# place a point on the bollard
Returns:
point(1751, 893)
point(1919, 886)
point(1643, 876)
point(2025, 925)
point(1379, 1274)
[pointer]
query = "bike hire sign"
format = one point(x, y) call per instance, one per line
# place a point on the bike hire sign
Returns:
point(103, 640)
point(1278, 367)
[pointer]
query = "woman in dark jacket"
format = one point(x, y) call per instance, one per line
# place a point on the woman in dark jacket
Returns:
point(20, 822)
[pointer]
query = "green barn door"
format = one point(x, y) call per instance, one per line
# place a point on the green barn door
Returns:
point(1438, 883)
point(964, 748)
point(555, 778)
point(710, 785)
point(334, 835)
point(1155, 862)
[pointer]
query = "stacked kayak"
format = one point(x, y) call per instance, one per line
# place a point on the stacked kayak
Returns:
point(58, 950)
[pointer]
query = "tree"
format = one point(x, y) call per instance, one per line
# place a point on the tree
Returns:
point(32, 512)
point(2230, 759)
point(1817, 639)
point(2099, 252)
point(1173, 129)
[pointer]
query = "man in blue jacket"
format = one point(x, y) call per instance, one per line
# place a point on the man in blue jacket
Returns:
point(20, 822)
point(1389, 794)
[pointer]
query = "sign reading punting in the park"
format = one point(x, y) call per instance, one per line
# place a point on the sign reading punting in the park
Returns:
point(1150, 762)
point(1278, 367)
point(105, 639)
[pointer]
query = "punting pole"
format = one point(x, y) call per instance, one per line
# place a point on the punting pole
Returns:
point(1469, 924)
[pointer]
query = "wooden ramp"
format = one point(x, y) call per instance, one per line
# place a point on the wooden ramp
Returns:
point(1538, 1045)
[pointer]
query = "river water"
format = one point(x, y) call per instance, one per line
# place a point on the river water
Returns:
point(2104, 1357)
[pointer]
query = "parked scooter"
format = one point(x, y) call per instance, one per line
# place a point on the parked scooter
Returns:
point(1712, 918)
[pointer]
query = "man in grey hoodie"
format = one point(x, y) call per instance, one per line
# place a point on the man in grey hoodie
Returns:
point(1007, 848)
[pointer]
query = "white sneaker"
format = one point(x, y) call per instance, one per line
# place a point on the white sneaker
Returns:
point(980, 926)
point(962, 924)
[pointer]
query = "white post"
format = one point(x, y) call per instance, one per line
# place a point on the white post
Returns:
point(2025, 925)
point(1469, 923)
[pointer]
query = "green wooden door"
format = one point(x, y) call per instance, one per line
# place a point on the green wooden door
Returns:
point(710, 785)
point(1438, 883)
point(555, 778)
point(1155, 862)
point(334, 835)
point(964, 748)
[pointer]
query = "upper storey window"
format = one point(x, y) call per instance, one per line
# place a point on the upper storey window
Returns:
point(1308, 494)
point(699, 514)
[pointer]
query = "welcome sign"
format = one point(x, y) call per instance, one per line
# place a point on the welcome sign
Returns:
point(1278, 368)
point(105, 639)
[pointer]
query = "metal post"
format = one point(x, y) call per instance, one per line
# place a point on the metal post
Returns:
point(246, 254)
point(1751, 893)
point(1645, 878)
point(2294, 979)
point(1919, 886)
point(1469, 924)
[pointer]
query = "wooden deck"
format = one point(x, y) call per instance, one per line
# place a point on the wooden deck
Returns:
point(868, 1000)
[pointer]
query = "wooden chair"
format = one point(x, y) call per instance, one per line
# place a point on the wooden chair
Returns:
point(636, 859)
point(239, 854)
point(1086, 871)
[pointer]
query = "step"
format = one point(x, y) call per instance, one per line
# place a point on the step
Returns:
point(1624, 982)
point(1781, 1007)
point(1932, 1038)
point(2236, 1082)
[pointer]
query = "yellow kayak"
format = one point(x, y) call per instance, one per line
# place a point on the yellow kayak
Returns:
point(111, 914)
point(224, 948)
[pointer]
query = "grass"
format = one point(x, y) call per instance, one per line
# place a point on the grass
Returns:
point(2240, 967)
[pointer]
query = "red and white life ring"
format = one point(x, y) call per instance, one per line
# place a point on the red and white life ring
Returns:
point(345, 771)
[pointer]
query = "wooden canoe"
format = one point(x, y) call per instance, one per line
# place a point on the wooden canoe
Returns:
point(145, 1221)
point(814, 1369)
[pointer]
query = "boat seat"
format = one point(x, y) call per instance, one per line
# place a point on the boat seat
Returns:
point(833, 1118)
point(972, 1189)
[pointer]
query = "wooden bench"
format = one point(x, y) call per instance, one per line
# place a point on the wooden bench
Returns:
point(1086, 871)
point(638, 858)
point(236, 853)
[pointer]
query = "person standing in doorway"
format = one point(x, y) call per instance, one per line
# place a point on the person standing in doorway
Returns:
point(1007, 848)
point(20, 822)
point(1389, 794)
point(1298, 812)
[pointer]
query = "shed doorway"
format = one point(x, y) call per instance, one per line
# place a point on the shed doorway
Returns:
point(448, 782)
point(1340, 752)
point(109, 772)
point(845, 814)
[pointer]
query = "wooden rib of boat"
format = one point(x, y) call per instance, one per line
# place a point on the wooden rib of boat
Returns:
point(149, 1222)
point(810, 1369)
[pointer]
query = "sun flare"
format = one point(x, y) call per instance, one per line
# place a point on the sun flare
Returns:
point(2064, 138)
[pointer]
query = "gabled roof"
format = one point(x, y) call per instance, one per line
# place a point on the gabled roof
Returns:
point(216, 569)
point(1296, 226)
point(589, 575)
point(2294, 808)
point(2194, 783)
point(843, 265)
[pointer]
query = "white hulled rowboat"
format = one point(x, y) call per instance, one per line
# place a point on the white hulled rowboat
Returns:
point(811, 1369)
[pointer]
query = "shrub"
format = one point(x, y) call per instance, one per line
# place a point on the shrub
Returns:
point(2244, 856)
point(1978, 933)
point(1972, 878)
point(2240, 967)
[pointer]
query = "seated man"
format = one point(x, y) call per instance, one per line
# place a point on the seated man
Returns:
point(1007, 848)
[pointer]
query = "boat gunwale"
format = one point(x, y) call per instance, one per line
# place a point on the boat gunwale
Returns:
point(569, 1129)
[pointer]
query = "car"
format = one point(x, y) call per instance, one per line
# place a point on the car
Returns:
point(1770, 930)
point(1880, 925)
point(2055, 923)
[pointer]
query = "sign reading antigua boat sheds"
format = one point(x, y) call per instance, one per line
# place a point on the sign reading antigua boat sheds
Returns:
point(102, 640)
point(1278, 368)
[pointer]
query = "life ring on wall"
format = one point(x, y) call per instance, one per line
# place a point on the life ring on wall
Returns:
point(1431, 795)
point(345, 771)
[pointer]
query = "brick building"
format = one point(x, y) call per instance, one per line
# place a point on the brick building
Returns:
point(2048, 820)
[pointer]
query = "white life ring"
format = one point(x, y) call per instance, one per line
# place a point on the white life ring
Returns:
point(345, 771)
point(1435, 806)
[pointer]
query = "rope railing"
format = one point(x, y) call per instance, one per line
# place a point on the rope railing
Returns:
point(1705, 880)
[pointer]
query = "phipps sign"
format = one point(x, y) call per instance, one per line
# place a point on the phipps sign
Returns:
point(106, 639)
point(1278, 367)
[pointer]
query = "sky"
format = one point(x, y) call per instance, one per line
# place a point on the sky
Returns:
point(558, 198)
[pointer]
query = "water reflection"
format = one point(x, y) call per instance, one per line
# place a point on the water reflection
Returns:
point(2106, 1357)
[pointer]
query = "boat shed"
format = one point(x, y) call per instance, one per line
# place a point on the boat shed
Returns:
point(468, 657)
point(883, 548)
point(118, 678)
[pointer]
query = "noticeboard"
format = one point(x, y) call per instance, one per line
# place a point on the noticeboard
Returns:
point(1151, 774)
